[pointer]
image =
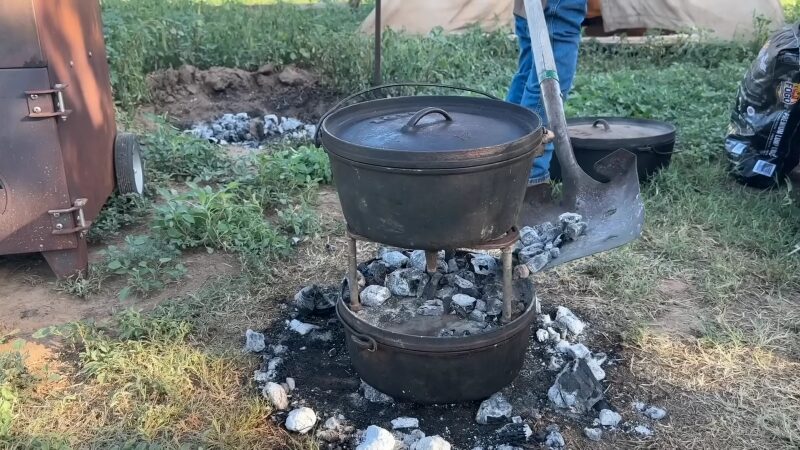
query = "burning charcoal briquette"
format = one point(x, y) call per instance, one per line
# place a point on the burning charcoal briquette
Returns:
point(255, 342)
point(538, 262)
point(374, 295)
point(575, 388)
point(394, 259)
point(376, 272)
point(495, 409)
point(407, 282)
point(515, 433)
point(484, 264)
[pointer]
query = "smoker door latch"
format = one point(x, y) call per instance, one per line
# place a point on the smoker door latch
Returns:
point(48, 103)
point(70, 220)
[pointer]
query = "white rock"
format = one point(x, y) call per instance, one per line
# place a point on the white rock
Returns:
point(374, 295)
point(301, 420)
point(594, 434)
point(579, 351)
point(376, 438)
point(597, 371)
point(542, 335)
point(301, 327)
point(566, 318)
point(643, 431)
point(609, 418)
point(431, 443)
point(290, 382)
point(374, 395)
point(494, 409)
point(655, 413)
point(464, 301)
point(405, 422)
point(255, 342)
point(276, 395)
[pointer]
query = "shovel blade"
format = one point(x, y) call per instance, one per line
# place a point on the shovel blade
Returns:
point(614, 211)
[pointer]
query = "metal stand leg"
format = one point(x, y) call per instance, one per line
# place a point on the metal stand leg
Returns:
point(352, 277)
point(431, 261)
point(508, 288)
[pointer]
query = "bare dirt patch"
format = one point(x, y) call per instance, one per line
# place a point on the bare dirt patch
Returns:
point(190, 95)
point(29, 300)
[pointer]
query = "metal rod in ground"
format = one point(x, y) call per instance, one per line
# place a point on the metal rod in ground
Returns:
point(377, 76)
point(508, 288)
point(352, 276)
point(431, 261)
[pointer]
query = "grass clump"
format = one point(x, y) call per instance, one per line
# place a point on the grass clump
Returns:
point(173, 155)
point(146, 263)
point(121, 210)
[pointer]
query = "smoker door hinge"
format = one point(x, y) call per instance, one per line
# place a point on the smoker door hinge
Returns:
point(70, 220)
point(48, 103)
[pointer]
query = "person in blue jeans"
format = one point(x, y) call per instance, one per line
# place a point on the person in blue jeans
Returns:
point(564, 19)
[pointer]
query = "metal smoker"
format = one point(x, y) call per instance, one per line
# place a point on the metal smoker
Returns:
point(60, 154)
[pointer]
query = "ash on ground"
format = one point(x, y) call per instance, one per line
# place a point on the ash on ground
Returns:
point(252, 131)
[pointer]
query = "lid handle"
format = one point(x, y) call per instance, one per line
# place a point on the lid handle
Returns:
point(414, 120)
point(606, 126)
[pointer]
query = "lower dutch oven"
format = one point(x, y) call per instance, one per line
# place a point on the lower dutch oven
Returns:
point(594, 138)
point(437, 370)
point(431, 172)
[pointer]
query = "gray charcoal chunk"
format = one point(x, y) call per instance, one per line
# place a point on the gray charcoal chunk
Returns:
point(374, 295)
point(377, 271)
point(594, 434)
point(431, 308)
point(528, 236)
point(574, 230)
point(495, 409)
point(484, 264)
point(395, 259)
point(531, 251)
point(538, 262)
point(575, 388)
point(407, 282)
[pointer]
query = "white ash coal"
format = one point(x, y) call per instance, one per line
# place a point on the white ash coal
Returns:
point(251, 131)
point(463, 297)
point(539, 245)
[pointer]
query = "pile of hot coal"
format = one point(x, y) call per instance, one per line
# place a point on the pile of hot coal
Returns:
point(541, 244)
point(251, 131)
point(463, 297)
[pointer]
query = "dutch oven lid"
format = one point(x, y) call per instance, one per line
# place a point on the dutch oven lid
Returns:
point(426, 132)
point(612, 133)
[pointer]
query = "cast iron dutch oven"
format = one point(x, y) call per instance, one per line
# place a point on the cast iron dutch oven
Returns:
point(594, 138)
point(431, 172)
point(436, 370)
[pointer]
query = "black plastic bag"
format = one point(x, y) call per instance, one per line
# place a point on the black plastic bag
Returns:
point(763, 142)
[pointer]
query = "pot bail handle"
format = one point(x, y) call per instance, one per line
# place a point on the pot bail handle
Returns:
point(606, 126)
point(414, 120)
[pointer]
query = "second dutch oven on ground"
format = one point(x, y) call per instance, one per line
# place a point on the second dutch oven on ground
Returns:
point(594, 138)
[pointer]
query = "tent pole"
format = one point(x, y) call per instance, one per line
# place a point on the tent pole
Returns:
point(376, 75)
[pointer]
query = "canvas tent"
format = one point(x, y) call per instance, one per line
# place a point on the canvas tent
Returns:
point(726, 19)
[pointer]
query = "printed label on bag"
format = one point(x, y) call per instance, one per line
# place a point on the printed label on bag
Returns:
point(790, 92)
point(764, 168)
point(738, 149)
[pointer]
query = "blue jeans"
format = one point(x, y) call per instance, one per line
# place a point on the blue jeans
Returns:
point(564, 19)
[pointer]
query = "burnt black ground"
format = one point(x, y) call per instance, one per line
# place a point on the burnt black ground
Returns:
point(327, 383)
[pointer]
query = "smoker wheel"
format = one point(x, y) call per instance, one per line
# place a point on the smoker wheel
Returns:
point(128, 164)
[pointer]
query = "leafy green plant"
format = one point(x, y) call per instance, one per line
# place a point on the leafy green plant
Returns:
point(173, 155)
point(298, 220)
point(217, 219)
point(147, 263)
point(14, 377)
point(118, 212)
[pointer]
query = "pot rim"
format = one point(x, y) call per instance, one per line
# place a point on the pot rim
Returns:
point(436, 160)
point(429, 344)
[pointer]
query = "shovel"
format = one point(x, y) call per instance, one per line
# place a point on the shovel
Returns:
point(613, 210)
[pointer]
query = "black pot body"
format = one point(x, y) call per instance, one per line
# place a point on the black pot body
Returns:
point(432, 209)
point(453, 370)
point(649, 160)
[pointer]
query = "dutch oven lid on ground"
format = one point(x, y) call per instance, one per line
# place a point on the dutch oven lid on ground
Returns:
point(612, 133)
point(426, 132)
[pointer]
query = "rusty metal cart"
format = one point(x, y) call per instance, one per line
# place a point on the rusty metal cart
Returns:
point(60, 154)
